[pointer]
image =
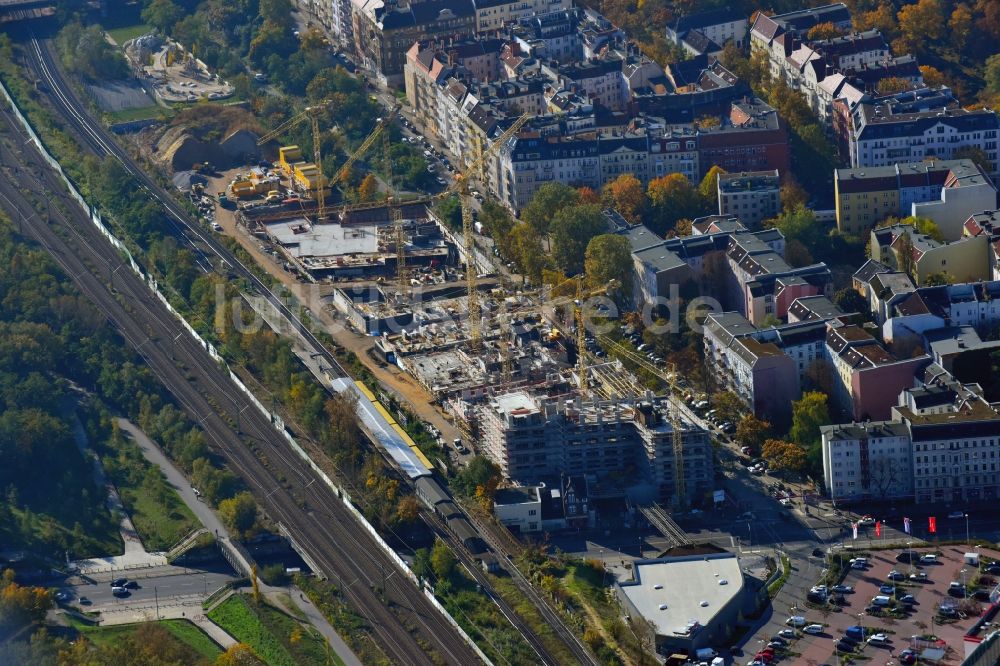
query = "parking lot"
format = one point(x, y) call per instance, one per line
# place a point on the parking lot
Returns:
point(917, 625)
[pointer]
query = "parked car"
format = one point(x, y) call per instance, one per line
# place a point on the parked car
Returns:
point(919, 576)
point(843, 589)
point(813, 629)
point(929, 558)
point(119, 591)
point(788, 633)
point(887, 589)
point(878, 639)
point(84, 601)
point(907, 656)
point(992, 569)
point(119, 582)
point(796, 621)
point(896, 575)
point(908, 599)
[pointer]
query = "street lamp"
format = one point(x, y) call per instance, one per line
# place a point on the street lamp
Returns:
point(861, 623)
point(967, 538)
point(965, 592)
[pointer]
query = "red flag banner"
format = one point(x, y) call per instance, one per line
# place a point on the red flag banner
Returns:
point(932, 524)
point(878, 528)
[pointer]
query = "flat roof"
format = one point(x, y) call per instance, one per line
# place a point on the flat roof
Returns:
point(672, 593)
point(303, 239)
point(513, 402)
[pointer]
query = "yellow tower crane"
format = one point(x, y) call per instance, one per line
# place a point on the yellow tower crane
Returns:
point(311, 113)
point(460, 187)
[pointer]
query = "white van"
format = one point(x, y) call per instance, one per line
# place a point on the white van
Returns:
point(881, 600)
point(929, 558)
point(796, 621)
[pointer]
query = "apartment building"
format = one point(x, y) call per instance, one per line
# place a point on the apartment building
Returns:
point(882, 137)
point(707, 33)
point(940, 445)
point(867, 461)
point(778, 36)
point(492, 15)
point(964, 260)
point(752, 196)
point(763, 284)
point(759, 373)
point(550, 36)
point(533, 437)
point(974, 304)
point(947, 191)
point(385, 31)
point(987, 224)
point(751, 138)
point(868, 378)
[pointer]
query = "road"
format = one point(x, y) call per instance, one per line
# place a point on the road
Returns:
point(175, 582)
point(284, 484)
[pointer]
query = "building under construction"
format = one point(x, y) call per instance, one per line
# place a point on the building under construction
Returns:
point(361, 247)
point(531, 436)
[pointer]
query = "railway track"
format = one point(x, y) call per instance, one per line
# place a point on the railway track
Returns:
point(405, 621)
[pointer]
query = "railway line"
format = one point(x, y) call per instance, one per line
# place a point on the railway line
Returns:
point(42, 63)
point(405, 621)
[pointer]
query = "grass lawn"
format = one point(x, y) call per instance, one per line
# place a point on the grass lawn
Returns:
point(159, 514)
point(192, 636)
point(141, 113)
point(181, 630)
point(270, 632)
point(126, 32)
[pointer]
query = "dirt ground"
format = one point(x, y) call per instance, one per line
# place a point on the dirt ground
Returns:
point(392, 379)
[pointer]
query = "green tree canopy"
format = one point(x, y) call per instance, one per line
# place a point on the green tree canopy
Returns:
point(609, 257)
point(808, 414)
point(571, 230)
point(549, 200)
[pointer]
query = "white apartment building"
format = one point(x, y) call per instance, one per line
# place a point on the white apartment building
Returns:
point(869, 461)
point(943, 446)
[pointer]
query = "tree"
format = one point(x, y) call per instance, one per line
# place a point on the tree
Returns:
point(991, 74)
point(478, 472)
point(976, 154)
point(797, 254)
point(818, 376)
point(609, 257)
point(882, 18)
point(792, 194)
point(938, 279)
point(239, 654)
point(442, 560)
point(708, 188)
point(239, 512)
point(368, 188)
point(883, 474)
point(588, 195)
point(752, 431)
point(825, 30)
point(808, 414)
point(728, 406)
point(549, 200)
point(933, 77)
point(892, 85)
point(960, 25)
point(671, 198)
point(526, 251)
point(571, 230)
point(408, 509)
point(782, 455)
point(849, 300)
point(450, 211)
point(920, 25)
point(903, 251)
point(162, 15)
point(799, 224)
point(625, 194)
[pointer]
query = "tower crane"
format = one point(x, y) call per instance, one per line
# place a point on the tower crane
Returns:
point(395, 215)
point(311, 113)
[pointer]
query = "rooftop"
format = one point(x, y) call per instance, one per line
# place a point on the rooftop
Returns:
point(674, 593)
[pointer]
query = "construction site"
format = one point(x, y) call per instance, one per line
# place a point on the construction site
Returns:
point(516, 371)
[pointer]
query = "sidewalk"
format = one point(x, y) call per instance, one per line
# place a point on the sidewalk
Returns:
point(317, 620)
